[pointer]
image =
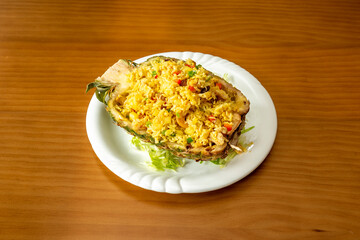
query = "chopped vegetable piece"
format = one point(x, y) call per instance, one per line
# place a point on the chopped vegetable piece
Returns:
point(212, 118)
point(178, 81)
point(198, 66)
point(177, 115)
point(156, 76)
point(219, 85)
point(228, 126)
point(177, 72)
point(190, 66)
point(189, 140)
point(148, 123)
point(192, 88)
point(191, 73)
point(153, 73)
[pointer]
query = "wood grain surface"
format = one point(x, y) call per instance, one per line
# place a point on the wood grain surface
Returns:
point(305, 53)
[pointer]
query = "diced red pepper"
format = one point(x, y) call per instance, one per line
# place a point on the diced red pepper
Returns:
point(219, 85)
point(228, 126)
point(212, 118)
point(191, 88)
point(178, 81)
point(156, 76)
point(177, 72)
point(190, 66)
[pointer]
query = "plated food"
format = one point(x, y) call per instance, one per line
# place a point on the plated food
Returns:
point(114, 146)
point(175, 104)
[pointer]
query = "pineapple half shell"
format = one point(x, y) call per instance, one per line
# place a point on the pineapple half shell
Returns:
point(114, 82)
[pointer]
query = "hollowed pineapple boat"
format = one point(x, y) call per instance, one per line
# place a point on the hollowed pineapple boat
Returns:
point(174, 104)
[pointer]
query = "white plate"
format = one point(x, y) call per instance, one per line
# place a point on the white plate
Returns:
point(112, 144)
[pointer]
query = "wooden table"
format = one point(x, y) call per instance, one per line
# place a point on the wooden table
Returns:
point(305, 53)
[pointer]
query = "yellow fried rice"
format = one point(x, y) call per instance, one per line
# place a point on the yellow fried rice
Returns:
point(178, 102)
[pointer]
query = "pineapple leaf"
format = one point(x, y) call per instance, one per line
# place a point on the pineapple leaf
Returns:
point(91, 85)
point(101, 94)
point(102, 91)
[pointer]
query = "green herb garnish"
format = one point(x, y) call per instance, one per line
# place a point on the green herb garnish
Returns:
point(191, 73)
point(153, 73)
point(246, 129)
point(189, 140)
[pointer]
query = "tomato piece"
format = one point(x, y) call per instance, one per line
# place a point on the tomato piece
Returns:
point(219, 85)
point(177, 72)
point(190, 66)
point(191, 88)
point(178, 81)
point(228, 126)
point(212, 118)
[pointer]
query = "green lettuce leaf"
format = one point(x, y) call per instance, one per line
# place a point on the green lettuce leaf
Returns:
point(223, 161)
point(161, 159)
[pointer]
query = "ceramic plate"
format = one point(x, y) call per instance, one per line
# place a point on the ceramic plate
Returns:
point(112, 144)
